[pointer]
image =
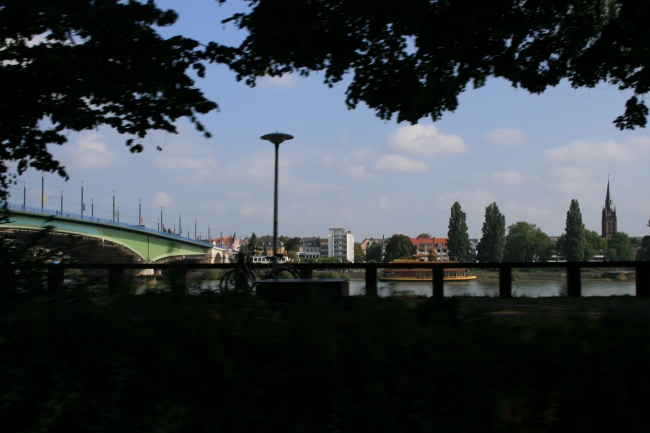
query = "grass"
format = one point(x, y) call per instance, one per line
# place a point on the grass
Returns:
point(177, 363)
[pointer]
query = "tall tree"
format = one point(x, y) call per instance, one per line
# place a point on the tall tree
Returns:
point(526, 242)
point(424, 236)
point(493, 242)
point(76, 65)
point(290, 243)
point(574, 238)
point(644, 251)
point(458, 243)
point(358, 253)
point(453, 43)
point(373, 252)
point(399, 247)
point(253, 243)
point(620, 243)
point(594, 244)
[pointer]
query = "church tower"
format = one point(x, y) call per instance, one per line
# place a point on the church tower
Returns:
point(609, 216)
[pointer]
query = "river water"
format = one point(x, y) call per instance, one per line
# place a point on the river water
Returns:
point(520, 288)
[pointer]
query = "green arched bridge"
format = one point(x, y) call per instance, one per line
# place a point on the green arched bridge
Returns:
point(150, 245)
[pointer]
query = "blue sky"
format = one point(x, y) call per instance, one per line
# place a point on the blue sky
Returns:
point(531, 154)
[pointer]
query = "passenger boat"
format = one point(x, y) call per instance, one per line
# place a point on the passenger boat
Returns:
point(424, 275)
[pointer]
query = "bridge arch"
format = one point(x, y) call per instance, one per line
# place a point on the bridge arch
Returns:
point(150, 245)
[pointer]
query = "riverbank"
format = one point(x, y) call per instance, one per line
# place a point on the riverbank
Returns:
point(175, 363)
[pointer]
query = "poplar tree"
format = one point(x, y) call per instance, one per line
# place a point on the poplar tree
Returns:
point(458, 242)
point(493, 242)
point(253, 243)
point(574, 239)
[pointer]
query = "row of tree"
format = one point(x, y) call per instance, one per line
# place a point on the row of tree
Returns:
point(525, 242)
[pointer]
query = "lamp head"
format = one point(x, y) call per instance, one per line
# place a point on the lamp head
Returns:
point(277, 137)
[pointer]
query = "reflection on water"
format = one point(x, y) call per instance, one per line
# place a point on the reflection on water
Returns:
point(520, 288)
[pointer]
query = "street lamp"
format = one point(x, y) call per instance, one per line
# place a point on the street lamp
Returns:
point(276, 138)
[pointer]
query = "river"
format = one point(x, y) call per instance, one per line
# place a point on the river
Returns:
point(520, 288)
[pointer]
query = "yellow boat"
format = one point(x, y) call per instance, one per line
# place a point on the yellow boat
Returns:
point(423, 275)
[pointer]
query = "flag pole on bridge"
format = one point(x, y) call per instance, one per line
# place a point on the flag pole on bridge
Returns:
point(42, 192)
point(140, 212)
point(24, 195)
point(82, 199)
point(61, 203)
point(113, 206)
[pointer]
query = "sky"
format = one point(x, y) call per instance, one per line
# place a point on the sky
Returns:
point(531, 154)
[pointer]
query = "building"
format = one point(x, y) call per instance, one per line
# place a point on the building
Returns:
point(323, 247)
point(309, 248)
point(440, 245)
point(340, 244)
point(609, 216)
point(425, 245)
point(267, 242)
point(369, 241)
point(422, 245)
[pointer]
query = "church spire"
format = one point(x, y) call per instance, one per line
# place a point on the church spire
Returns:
point(608, 200)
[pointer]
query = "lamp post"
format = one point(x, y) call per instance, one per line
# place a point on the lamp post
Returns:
point(276, 138)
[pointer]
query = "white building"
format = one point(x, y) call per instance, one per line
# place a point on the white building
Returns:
point(309, 248)
point(340, 244)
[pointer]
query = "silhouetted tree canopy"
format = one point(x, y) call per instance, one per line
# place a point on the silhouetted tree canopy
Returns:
point(73, 65)
point(526, 242)
point(574, 243)
point(493, 242)
point(399, 247)
point(458, 237)
point(412, 58)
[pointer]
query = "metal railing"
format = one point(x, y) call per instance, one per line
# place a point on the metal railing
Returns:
point(178, 273)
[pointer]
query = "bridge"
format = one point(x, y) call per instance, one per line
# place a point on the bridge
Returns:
point(148, 244)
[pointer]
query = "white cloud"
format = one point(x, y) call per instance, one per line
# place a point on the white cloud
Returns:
point(509, 176)
point(506, 137)
point(588, 152)
point(516, 211)
point(285, 81)
point(425, 140)
point(359, 172)
point(161, 199)
point(212, 207)
point(256, 211)
point(90, 152)
point(384, 202)
point(400, 163)
point(449, 197)
point(165, 162)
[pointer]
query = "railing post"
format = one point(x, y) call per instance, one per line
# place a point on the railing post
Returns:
point(115, 279)
point(573, 280)
point(505, 281)
point(55, 275)
point(371, 279)
point(178, 279)
point(306, 272)
point(642, 270)
point(438, 274)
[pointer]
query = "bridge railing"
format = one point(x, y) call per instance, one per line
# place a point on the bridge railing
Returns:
point(178, 272)
point(43, 211)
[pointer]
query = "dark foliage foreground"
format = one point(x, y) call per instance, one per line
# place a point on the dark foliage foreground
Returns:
point(166, 363)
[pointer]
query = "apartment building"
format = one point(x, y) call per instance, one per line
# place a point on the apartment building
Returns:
point(340, 243)
point(309, 248)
